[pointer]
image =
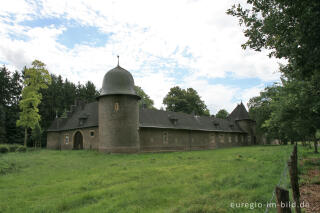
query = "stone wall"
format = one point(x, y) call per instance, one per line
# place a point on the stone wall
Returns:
point(64, 140)
point(156, 139)
point(249, 127)
point(53, 139)
point(118, 123)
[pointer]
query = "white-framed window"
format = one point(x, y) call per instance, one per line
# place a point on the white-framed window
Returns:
point(66, 139)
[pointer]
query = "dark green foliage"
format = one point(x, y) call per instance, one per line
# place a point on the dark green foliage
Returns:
point(13, 147)
point(145, 101)
point(4, 148)
point(188, 101)
point(3, 138)
point(21, 149)
point(222, 113)
point(10, 93)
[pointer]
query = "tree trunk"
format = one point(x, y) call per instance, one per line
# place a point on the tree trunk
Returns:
point(315, 146)
point(25, 137)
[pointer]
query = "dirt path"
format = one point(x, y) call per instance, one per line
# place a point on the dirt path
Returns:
point(310, 190)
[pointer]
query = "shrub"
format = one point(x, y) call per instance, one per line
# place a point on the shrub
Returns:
point(13, 147)
point(21, 149)
point(4, 149)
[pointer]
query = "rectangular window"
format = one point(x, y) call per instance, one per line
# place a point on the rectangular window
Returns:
point(92, 133)
point(66, 139)
point(213, 138)
point(221, 137)
point(165, 138)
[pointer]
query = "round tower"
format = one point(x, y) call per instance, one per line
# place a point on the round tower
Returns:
point(118, 113)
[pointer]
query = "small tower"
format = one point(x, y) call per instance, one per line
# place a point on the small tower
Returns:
point(118, 113)
point(241, 117)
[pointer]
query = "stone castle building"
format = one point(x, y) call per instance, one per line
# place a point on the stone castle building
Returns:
point(116, 124)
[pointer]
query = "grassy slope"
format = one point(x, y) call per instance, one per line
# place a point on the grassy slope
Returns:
point(84, 181)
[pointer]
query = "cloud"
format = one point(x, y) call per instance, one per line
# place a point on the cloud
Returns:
point(163, 43)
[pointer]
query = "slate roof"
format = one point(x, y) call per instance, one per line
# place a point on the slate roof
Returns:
point(148, 118)
point(87, 112)
point(239, 113)
point(177, 120)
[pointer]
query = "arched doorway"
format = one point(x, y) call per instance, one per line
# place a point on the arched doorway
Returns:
point(78, 141)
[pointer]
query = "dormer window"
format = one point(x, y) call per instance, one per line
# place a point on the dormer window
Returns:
point(173, 119)
point(215, 123)
point(81, 121)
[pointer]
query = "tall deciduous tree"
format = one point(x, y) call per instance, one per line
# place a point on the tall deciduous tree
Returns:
point(188, 101)
point(145, 101)
point(36, 135)
point(37, 77)
point(222, 113)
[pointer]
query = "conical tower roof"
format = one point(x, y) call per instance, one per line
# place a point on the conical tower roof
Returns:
point(239, 113)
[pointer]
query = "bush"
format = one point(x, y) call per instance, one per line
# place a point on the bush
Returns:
point(4, 149)
point(21, 149)
point(13, 147)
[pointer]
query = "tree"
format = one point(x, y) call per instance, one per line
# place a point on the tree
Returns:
point(222, 114)
point(37, 77)
point(188, 101)
point(36, 135)
point(10, 94)
point(145, 101)
point(260, 110)
point(87, 92)
point(289, 30)
point(3, 138)
point(4, 86)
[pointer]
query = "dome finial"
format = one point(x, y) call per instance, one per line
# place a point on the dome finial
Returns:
point(118, 60)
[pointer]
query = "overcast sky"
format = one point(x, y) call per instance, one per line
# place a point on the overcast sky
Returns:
point(164, 43)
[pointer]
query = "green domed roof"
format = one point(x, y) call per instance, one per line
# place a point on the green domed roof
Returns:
point(118, 81)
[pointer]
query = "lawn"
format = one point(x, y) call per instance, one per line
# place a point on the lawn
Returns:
point(88, 181)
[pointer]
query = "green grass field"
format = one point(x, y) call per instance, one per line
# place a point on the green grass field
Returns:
point(88, 181)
